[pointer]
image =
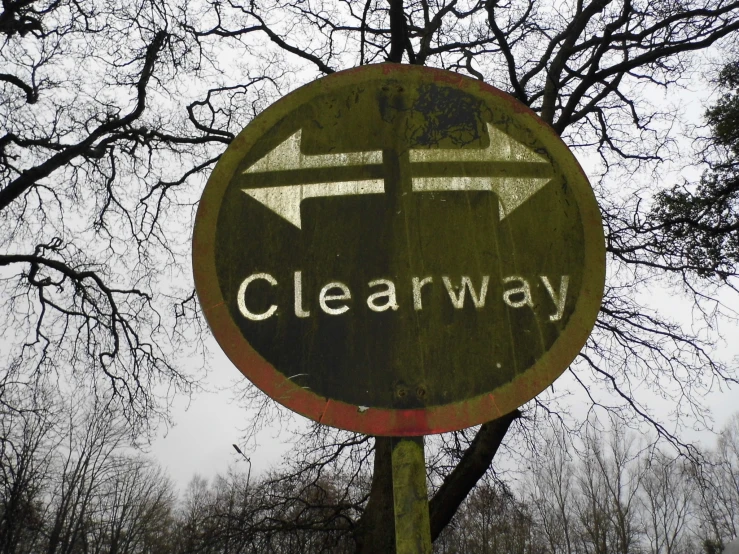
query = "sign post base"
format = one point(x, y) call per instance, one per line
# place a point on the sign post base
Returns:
point(410, 498)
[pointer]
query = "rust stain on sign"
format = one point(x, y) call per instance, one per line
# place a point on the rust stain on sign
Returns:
point(399, 251)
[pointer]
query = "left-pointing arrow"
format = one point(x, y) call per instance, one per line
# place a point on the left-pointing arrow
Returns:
point(287, 156)
point(285, 200)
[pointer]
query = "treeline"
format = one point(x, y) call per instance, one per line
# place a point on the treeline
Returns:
point(617, 495)
point(70, 483)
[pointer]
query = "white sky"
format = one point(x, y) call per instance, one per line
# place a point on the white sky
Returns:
point(201, 441)
point(205, 429)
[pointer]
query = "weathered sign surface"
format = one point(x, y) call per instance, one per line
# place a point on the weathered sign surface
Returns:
point(399, 251)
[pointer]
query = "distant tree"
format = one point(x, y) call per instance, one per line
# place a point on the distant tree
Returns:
point(699, 222)
point(86, 465)
point(608, 482)
point(614, 494)
point(490, 521)
point(712, 547)
point(69, 485)
point(133, 510)
point(669, 504)
point(718, 487)
point(25, 459)
point(194, 525)
point(551, 493)
point(270, 515)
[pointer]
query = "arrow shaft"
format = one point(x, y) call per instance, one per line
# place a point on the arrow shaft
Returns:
point(377, 171)
point(285, 176)
point(287, 155)
point(329, 174)
point(511, 191)
point(481, 169)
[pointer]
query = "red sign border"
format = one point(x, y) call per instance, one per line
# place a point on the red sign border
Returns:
point(384, 421)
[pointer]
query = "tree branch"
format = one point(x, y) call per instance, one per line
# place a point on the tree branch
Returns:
point(31, 93)
point(473, 465)
point(31, 176)
point(398, 31)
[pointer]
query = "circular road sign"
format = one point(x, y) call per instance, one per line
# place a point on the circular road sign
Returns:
point(398, 250)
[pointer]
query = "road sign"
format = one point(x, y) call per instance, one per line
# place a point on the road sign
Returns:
point(399, 251)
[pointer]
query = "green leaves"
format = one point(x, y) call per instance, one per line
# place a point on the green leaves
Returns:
point(700, 222)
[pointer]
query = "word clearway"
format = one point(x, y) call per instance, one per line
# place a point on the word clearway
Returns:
point(334, 297)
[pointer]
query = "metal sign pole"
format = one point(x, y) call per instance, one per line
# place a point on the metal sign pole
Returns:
point(410, 498)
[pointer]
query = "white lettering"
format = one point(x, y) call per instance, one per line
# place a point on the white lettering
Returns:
point(389, 294)
point(458, 300)
point(417, 286)
point(242, 292)
point(559, 300)
point(334, 298)
point(524, 289)
point(324, 297)
point(299, 311)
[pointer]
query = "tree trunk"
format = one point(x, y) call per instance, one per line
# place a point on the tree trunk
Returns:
point(375, 531)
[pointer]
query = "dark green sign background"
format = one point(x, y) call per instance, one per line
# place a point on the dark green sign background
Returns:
point(399, 250)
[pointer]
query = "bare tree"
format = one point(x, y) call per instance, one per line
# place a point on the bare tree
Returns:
point(113, 113)
point(668, 497)
point(719, 489)
point(551, 494)
point(194, 530)
point(608, 481)
point(491, 520)
point(86, 463)
point(133, 512)
point(24, 465)
point(275, 513)
point(84, 243)
point(70, 484)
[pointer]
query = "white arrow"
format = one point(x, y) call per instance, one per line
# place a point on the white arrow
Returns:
point(285, 200)
point(287, 155)
point(502, 148)
point(511, 191)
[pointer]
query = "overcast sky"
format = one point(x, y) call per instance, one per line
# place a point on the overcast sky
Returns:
point(201, 441)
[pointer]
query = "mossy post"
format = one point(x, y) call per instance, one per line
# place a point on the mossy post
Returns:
point(410, 498)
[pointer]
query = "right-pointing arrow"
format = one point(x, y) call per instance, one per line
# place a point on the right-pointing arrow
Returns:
point(511, 191)
point(502, 148)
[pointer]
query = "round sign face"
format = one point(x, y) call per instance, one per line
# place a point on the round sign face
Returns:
point(398, 250)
